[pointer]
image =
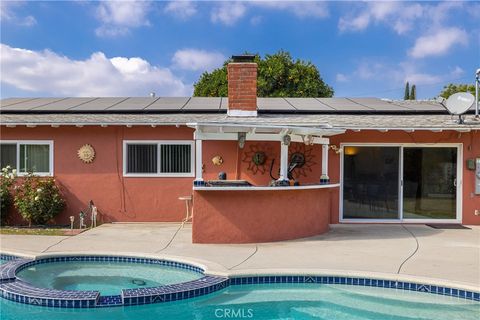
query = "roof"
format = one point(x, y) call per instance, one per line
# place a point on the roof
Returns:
point(214, 105)
point(347, 121)
point(339, 113)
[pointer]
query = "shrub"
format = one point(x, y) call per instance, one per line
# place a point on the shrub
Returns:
point(7, 178)
point(38, 199)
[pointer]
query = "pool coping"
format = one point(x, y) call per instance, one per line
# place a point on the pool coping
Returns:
point(211, 282)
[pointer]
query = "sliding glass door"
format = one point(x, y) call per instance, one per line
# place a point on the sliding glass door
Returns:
point(399, 182)
point(429, 183)
point(370, 182)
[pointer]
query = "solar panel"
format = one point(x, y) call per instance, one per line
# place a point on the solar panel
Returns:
point(133, 104)
point(63, 105)
point(343, 104)
point(308, 104)
point(100, 104)
point(30, 104)
point(274, 104)
point(11, 101)
point(380, 105)
point(168, 104)
point(203, 103)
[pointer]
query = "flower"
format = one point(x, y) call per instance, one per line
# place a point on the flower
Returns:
point(37, 198)
point(39, 190)
point(14, 171)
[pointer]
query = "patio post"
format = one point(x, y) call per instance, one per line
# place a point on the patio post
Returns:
point(198, 163)
point(283, 162)
point(324, 178)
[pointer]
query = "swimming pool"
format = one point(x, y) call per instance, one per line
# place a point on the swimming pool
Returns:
point(274, 301)
point(109, 278)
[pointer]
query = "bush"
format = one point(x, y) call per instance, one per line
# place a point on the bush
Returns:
point(38, 199)
point(7, 178)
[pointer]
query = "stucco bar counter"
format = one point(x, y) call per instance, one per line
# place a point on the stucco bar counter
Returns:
point(260, 214)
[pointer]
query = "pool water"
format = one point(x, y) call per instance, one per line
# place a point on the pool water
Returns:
point(107, 277)
point(279, 301)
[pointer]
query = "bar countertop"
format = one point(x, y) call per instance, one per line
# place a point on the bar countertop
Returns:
point(262, 188)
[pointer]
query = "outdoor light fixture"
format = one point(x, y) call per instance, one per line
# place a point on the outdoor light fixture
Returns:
point(242, 137)
point(286, 140)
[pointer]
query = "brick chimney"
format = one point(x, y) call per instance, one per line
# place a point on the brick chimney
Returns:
point(242, 86)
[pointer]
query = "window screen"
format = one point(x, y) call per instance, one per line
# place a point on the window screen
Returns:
point(175, 158)
point(34, 158)
point(8, 155)
point(142, 158)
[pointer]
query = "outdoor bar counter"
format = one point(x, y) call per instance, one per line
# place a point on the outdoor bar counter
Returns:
point(253, 214)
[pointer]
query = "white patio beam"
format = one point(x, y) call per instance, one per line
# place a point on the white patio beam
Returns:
point(254, 137)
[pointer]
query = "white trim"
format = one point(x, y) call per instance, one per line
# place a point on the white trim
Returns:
point(279, 188)
point(241, 113)
point(401, 146)
point(158, 174)
point(51, 159)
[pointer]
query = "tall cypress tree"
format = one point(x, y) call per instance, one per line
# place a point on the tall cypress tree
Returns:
point(413, 93)
point(406, 96)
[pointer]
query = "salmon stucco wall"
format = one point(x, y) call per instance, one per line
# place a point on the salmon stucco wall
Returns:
point(471, 150)
point(259, 216)
point(118, 198)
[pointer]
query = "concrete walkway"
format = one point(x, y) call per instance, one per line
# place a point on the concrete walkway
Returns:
point(413, 252)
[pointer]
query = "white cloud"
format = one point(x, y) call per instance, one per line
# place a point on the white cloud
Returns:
point(399, 16)
point(340, 77)
point(181, 9)
point(299, 8)
point(439, 42)
point(228, 13)
point(197, 60)
point(7, 14)
point(50, 73)
point(117, 17)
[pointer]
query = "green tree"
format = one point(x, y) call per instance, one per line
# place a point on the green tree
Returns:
point(452, 88)
point(413, 93)
point(406, 95)
point(278, 76)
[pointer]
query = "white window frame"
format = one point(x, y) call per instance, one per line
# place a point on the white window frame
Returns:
point(190, 174)
point(33, 142)
point(401, 146)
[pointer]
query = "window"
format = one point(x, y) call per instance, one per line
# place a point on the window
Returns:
point(27, 156)
point(158, 158)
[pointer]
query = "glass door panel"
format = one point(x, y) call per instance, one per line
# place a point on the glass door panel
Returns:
point(371, 182)
point(429, 183)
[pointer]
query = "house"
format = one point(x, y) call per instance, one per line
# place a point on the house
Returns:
point(288, 167)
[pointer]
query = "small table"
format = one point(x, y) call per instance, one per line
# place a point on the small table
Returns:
point(188, 202)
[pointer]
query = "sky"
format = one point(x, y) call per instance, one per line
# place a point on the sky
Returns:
point(132, 48)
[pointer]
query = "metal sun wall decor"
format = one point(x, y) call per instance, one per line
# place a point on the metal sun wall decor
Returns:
point(258, 157)
point(86, 153)
point(303, 156)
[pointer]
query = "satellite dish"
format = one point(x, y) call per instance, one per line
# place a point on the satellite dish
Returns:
point(459, 103)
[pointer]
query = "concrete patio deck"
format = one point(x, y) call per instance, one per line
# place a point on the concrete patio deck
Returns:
point(413, 252)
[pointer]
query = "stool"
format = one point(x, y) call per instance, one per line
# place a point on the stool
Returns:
point(189, 214)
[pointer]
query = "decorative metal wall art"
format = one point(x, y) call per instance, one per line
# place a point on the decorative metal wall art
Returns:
point(217, 160)
point(257, 157)
point(302, 156)
point(86, 153)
